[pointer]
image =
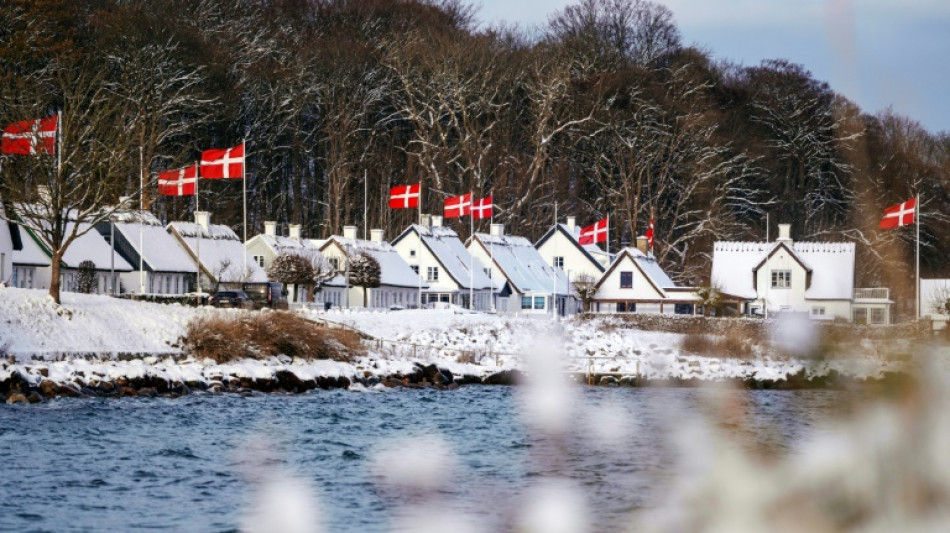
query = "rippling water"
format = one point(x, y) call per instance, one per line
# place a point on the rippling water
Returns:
point(182, 464)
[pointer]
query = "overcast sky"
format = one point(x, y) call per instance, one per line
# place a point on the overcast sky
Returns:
point(879, 53)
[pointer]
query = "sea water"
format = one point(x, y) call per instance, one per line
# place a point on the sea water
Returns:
point(191, 464)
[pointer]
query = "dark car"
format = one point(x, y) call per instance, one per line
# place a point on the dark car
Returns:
point(230, 299)
point(270, 294)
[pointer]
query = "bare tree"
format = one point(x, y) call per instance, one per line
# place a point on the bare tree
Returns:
point(585, 286)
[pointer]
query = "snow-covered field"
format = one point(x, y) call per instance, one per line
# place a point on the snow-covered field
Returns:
point(95, 335)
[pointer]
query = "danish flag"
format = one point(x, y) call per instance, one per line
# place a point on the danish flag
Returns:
point(404, 196)
point(179, 182)
point(227, 163)
point(596, 232)
point(649, 234)
point(899, 215)
point(482, 208)
point(458, 206)
point(28, 137)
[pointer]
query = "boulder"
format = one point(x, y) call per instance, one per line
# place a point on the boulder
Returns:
point(288, 381)
point(16, 397)
point(48, 388)
point(127, 391)
point(505, 377)
point(35, 397)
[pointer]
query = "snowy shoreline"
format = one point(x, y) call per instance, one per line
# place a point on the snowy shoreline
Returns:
point(100, 346)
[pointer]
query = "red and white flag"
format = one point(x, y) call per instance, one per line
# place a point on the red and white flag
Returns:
point(482, 208)
point(179, 182)
point(458, 206)
point(226, 163)
point(899, 215)
point(28, 137)
point(404, 196)
point(596, 232)
point(649, 234)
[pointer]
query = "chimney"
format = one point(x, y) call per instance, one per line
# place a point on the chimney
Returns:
point(376, 235)
point(293, 231)
point(642, 243)
point(436, 221)
point(349, 232)
point(784, 232)
point(425, 220)
point(203, 219)
point(571, 222)
point(497, 230)
point(270, 228)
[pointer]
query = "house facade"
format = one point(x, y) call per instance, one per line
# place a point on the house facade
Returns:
point(160, 265)
point(400, 286)
point(802, 277)
point(635, 283)
point(266, 247)
point(218, 251)
point(452, 274)
point(6, 250)
point(560, 248)
point(525, 282)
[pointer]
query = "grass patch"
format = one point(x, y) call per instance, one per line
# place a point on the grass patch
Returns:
point(258, 335)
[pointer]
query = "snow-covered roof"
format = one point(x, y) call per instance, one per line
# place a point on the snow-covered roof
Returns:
point(287, 245)
point(30, 253)
point(445, 245)
point(92, 247)
point(523, 265)
point(594, 252)
point(160, 250)
point(831, 265)
point(395, 272)
point(222, 252)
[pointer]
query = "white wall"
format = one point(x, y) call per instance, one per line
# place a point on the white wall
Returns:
point(575, 261)
point(6, 253)
point(642, 288)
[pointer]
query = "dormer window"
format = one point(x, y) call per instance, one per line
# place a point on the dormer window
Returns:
point(781, 279)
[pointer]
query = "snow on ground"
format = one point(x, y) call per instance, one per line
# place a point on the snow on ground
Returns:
point(98, 329)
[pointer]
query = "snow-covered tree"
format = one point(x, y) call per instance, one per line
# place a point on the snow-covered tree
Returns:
point(86, 277)
point(585, 286)
point(293, 269)
point(365, 272)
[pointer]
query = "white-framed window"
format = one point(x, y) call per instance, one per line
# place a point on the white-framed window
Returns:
point(259, 259)
point(877, 315)
point(818, 311)
point(335, 263)
point(860, 315)
point(781, 279)
point(626, 280)
point(559, 262)
point(526, 302)
point(432, 273)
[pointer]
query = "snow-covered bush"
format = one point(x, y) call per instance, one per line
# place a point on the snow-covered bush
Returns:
point(365, 272)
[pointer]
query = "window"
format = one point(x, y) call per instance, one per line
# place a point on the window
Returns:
point(539, 302)
point(621, 307)
point(487, 272)
point(860, 315)
point(432, 273)
point(818, 311)
point(259, 259)
point(526, 302)
point(626, 280)
point(412, 253)
point(415, 268)
point(877, 315)
point(559, 262)
point(781, 279)
point(335, 263)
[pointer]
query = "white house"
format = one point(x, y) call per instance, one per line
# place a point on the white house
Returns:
point(266, 247)
point(400, 286)
point(90, 246)
point(449, 269)
point(141, 240)
point(636, 283)
point(528, 284)
point(805, 277)
point(218, 250)
point(560, 247)
point(27, 258)
point(6, 249)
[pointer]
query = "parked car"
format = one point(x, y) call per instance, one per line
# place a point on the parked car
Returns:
point(231, 299)
point(270, 294)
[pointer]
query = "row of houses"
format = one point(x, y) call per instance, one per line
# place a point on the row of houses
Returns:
point(427, 264)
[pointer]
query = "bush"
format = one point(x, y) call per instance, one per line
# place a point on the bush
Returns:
point(258, 335)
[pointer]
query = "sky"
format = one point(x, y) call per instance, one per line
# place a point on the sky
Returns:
point(878, 53)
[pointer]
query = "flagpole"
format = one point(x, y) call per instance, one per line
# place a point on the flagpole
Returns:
point(471, 265)
point(554, 268)
point(491, 252)
point(59, 142)
point(141, 210)
point(917, 224)
point(419, 243)
point(198, 229)
point(365, 213)
point(244, 193)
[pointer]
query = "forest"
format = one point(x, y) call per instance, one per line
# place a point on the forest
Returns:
point(601, 112)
